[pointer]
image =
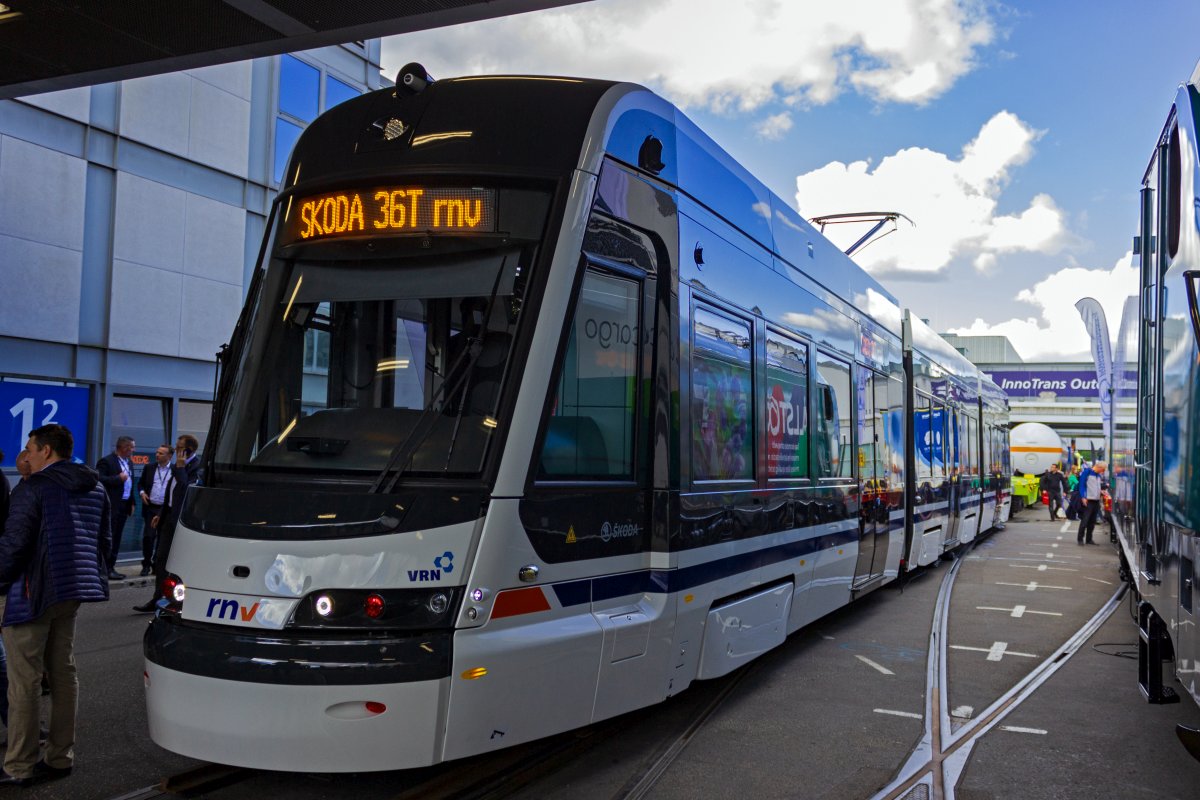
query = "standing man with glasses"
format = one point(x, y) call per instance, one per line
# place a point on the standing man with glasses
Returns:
point(153, 488)
point(116, 474)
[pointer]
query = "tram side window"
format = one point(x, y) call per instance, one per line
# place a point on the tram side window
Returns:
point(923, 437)
point(787, 408)
point(937, 439)
point(834, 448)
point(722, 408)
point(591, 427)
point(969, 454)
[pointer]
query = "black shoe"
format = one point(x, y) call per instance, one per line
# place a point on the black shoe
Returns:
point(11, 780)
point(146, 608)
point(46, 772)
point(113, 575)
point(1089, 541)
point(145, 571)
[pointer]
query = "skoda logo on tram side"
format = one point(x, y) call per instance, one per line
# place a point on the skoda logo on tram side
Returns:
point(609, 531)
point(443, 564)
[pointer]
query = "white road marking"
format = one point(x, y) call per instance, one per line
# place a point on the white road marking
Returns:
point(1043, 567)
point(873, 665)
point(1033, 586)
point(996, 652)
point(1051, 555)
point(1015, 729)
point(1018, 611)
point(908, 714)
point(1098, 580)
point(963, 712)
point(1066, 526)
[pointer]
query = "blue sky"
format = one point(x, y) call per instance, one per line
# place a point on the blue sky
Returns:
point(1014, 134)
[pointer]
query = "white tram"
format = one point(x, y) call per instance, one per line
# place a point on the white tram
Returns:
point(540, 408)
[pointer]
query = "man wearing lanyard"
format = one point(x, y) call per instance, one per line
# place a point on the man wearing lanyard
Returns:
point(184, 472)
point(153, 489)
point(116, 475)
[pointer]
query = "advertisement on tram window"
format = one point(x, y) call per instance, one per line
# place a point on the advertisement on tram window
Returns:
point(787, 425)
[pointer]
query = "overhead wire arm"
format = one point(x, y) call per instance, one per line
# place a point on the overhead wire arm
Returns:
point(880, 218)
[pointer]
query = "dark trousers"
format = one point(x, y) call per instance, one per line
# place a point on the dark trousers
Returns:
point(1087, 519)
point(1056, 504)
point(149, 534)
point(120, 513)
point(166, 532)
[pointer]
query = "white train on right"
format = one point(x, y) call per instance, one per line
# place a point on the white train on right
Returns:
point(1156, 460)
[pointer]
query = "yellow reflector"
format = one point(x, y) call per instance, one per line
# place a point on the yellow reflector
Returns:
point(687, 598)
point(802, 562)
point(472, 674)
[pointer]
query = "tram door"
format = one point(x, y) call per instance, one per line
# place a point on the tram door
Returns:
point(873, 477)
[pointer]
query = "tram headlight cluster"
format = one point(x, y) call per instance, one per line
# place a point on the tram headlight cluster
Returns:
point(174, 591)
point(381, 609)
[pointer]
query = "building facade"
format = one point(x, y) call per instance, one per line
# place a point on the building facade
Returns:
point(131, 217)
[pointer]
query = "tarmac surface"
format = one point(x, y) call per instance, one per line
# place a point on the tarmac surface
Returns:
point(837, 711)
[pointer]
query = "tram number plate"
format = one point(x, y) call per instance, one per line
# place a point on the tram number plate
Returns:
point(244, 610)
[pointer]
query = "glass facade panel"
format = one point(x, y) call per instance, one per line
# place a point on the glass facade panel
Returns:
point(299, 85)
point(286, 134)
point(337, 92)
point(194, 418)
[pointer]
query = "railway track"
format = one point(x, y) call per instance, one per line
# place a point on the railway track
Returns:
point(936, 763)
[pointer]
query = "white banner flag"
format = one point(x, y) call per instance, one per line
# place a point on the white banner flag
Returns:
point(1097, 327)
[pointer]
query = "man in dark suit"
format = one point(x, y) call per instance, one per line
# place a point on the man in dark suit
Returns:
point(185, 471)
point(153, 485)
point(116, 475)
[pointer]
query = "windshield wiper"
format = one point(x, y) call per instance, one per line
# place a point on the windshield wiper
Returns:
point(404, 451)
point(470, 370)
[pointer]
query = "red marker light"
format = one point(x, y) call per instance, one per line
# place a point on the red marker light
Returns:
point(373, 607)
point(374, 707)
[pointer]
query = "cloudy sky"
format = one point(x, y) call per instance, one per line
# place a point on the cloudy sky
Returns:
point(1014, 135)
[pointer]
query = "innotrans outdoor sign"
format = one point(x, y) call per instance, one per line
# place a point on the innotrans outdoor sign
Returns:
point(1032, 383)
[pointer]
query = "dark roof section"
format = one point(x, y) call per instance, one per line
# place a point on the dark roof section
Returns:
point(47, 45)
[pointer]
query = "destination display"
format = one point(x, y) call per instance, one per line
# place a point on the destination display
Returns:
point(387, 210)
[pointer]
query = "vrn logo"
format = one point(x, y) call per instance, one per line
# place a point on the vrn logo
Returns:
point(218, 608)
point(443, 563)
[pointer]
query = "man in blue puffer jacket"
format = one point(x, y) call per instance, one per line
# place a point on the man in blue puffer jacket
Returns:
point(52, 558)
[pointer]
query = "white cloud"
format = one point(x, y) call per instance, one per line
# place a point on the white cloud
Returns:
point(774, 127)
point(953, 203)
point(1058, 332)
point(724, 55)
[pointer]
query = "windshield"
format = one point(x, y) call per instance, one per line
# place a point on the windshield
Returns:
point(363, 365)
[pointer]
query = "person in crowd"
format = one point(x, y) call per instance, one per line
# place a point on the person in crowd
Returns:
point(1054, 483)
point(185, 471)
point(1073, 504)
point(116, 474)
point(1090, 485)
point(53, 557)
point(152, 486)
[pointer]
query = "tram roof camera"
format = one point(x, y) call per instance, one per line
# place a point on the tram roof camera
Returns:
point(413, 77)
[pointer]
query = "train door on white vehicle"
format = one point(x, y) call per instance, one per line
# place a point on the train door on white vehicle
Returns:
point(873, 477)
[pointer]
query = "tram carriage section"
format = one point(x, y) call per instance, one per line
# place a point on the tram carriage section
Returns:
point(540, 408)
point(1156, 508)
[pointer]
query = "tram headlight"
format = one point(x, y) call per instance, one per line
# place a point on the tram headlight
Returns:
point(407, 609)
point(179, 592)
point(438, 603)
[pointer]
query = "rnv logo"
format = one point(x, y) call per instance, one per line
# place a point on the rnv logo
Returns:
point(232, 608)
